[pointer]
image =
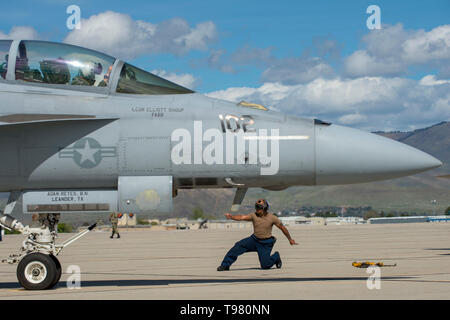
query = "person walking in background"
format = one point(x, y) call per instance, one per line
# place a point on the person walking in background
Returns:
point(114, 219)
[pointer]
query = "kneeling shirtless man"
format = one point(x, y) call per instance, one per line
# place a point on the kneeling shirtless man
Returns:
point(260, 241)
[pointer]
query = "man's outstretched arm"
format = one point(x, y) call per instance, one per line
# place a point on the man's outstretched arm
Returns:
point(286, 233)
point(239, 217)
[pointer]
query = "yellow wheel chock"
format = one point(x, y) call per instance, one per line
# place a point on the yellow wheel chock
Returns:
point(367, 264)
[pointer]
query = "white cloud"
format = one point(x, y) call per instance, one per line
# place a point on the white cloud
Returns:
point(198, 38)
point(20, 32)
point(185, 79)
point(321, 95)
point(370, 103)
point(267, 94)
point(430, 80)
point(233, 94)
point(119, 35)
point(423, 47)
point(360, 63)
point(390, 51)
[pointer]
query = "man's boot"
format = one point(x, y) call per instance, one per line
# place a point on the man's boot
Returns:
point(279, 263)
point(223, 268)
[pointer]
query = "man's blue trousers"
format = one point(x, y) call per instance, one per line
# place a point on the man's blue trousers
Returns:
point(252, 244)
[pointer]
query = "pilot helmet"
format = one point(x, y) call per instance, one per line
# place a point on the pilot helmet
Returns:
point(262, 204)
point(98, 68)
point(87, 72)
point(90, 69)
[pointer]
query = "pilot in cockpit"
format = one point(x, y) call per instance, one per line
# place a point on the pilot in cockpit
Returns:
point(105, 80)
point(86, 74)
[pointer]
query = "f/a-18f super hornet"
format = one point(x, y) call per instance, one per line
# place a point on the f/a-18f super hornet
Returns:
point(81, 131)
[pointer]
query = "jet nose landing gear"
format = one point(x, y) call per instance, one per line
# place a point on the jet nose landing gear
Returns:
point(38, 268)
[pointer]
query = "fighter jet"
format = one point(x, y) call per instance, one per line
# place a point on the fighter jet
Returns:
point(81, 131)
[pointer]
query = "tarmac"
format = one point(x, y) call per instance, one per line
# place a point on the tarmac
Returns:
point(181, 264)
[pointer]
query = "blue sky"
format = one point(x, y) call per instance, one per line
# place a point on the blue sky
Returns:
point(262, 44)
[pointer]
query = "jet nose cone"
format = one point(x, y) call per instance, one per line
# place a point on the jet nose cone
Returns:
point(431, 162)
point(420, 161)
point(346, 155)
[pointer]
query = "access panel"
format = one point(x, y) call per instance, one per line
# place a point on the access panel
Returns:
point(145, 194)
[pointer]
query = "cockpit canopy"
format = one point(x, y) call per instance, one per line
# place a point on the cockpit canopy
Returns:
point(42, 62)
point(56, 63)
point(135, 80)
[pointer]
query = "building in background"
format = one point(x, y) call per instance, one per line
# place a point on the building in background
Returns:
point(414, 219)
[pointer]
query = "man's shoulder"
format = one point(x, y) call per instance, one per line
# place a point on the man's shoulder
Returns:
point(273, 216)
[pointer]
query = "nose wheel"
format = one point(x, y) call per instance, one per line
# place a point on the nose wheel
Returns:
point(38, 271)
point(38, 267)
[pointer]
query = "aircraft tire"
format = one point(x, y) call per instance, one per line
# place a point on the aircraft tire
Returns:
point(37, 271)
point(58, 271)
